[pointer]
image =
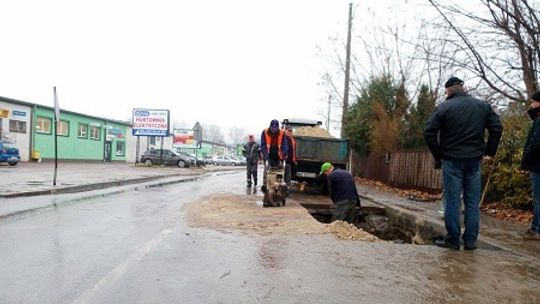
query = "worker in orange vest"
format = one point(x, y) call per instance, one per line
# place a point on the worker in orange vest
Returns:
point(273, 146)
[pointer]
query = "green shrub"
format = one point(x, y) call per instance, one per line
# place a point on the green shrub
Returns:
point(508, 185)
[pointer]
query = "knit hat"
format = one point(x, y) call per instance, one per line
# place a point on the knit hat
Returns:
point(325, 167)
point(453, 81)
point(274, 123)
point(536, 96)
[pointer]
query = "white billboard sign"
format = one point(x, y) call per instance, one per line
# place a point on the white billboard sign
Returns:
point(148, 122)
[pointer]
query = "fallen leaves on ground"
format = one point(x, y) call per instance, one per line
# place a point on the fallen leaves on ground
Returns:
point(492, 209)
point(411, 194)
point(513, 215)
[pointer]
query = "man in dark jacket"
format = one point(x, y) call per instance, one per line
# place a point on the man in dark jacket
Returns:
point(291, 155)
point(455, 134)
point(252, 152)
point(343, 193)
point(531, 162)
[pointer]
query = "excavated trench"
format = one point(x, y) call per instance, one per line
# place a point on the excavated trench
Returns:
point(373, 220)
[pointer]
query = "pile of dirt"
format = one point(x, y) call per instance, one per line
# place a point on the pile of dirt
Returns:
point(242, 213)
point(314, 131)
point(345, 231)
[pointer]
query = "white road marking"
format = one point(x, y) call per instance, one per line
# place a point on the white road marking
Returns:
point(119, 270)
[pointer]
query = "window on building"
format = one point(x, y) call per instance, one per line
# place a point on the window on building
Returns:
point(83, 131)
point(62, 128)
point(120, 148)
point(95, 132)
point(152, 140)
point(17, 126)
point(43, 125)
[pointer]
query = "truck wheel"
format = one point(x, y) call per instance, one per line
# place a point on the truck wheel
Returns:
point(267, 200)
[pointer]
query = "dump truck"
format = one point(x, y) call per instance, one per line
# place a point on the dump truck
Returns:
point(315, 146)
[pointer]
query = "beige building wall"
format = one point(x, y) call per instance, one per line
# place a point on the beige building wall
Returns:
point(15, 127)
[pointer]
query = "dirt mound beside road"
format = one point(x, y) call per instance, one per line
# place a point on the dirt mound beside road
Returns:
point(242, 213)
point(315, 131)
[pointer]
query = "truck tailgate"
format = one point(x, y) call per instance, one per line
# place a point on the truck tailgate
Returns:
point(321, 149)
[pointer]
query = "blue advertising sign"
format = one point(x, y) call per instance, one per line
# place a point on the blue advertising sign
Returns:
point(148, 122)
point(19, 113)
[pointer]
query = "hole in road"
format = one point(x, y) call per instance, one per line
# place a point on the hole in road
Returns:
point(371, 219)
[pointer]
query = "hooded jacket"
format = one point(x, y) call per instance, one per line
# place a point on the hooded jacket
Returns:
point(455, 130)
point(276, 141)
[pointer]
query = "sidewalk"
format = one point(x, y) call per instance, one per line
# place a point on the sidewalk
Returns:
point(494, 233)
point(30, 179)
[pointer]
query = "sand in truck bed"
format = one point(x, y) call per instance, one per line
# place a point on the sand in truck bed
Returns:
point(241, 213)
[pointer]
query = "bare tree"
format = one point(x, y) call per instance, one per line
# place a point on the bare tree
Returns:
point(237, 135)
point(499, 43)
point(212, 133)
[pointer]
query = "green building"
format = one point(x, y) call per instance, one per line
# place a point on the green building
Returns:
point(80, 136)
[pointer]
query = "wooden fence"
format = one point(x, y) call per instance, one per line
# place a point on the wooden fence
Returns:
point(404, 169)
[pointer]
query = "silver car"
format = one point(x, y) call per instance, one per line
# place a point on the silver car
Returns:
point(224, 160)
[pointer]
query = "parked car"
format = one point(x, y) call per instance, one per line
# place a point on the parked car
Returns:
point(191, 159)
point(195, 161)
point(154, 156)
point(241, 159)
point(9, 154)
point(225, 160)
point(208, 160)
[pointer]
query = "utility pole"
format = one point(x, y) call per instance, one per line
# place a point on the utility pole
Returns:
point(328, 117)
point(347, 73)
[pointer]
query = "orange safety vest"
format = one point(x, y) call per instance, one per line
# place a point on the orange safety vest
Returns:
point(269, 142)
point(293, 141)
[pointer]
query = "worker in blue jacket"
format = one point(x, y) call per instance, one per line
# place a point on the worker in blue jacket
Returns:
point(343, 193)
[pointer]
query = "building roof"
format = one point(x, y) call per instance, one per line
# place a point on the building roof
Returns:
point(30, 104)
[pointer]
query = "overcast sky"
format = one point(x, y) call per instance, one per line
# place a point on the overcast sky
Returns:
point(230, 63)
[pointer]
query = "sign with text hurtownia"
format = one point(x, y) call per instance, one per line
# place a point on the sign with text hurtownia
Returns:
point(148, 122)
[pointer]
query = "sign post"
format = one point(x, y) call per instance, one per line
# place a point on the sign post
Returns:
point(56, 122)
point(197, 134)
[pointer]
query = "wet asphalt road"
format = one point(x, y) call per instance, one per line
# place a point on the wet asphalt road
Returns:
point(135, 247)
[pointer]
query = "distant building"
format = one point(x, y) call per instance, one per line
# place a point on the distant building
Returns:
point(80, 136)
point(15, 124)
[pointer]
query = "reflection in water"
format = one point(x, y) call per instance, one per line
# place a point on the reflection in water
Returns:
point(271, 253)
point(251, 191)
point(477, 277)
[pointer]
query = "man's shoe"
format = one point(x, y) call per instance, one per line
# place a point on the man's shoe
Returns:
point(533, 237)
point(469, 247)
point(529, 232)
point(443, 242)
